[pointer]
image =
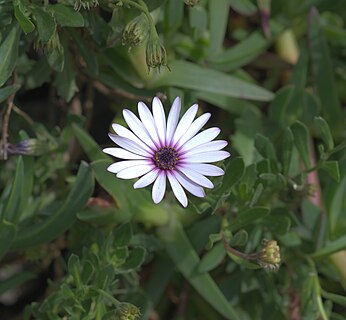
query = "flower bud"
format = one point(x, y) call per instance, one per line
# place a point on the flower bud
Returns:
point(155, 54)
point(191, 3)
point(136, 31)
point(31, 147)
point(269, 257)
point(128, 311)
point(86, 4)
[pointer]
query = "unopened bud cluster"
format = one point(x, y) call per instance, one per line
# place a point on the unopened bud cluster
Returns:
point(128, 311)
point(85, 4)
point(155, 53)
point(136, 31)
point(269, 257)
point(32, 147)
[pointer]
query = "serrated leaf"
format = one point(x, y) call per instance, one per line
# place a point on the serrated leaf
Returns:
point(9, 53)
point(302, 141)
point(212, 258)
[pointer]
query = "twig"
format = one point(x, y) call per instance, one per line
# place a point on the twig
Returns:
point(6, 119)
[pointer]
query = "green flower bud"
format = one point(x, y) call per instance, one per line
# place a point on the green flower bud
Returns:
point(128, 311)
point(31, 147)
point(136, 31)
point(155, 53)
point(86, 4)
point(269, 257)
point(191, 2)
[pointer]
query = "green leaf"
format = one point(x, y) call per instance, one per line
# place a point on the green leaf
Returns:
point(56, 59)
point(22, 18)
point(326, 87)
point(65, 81)
point(239, 239)
point(74, 268)
point(302, 141)
point(332, 168)
point(287, 148)
point(324, 132)
point(244, 7)
point(122, 235)
point(11, 212)
point(192, 76)
point(265, 147)
point(15, 281)
point(66, 16)
point(331, 247)
point(63, 218)
point(234, 171)
point(218, 19)
point(134, 260)
point(249, 216)
point(278, 222)
point(45, 24)
point(9, 53)
point(186, 260)
point(5, 92)
point(339, 299)
point(241, 53)
point(212, 258)
point(8, 233)
point(27, 184)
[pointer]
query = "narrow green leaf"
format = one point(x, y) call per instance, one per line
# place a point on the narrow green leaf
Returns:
point(8, 233)
point(339, 299)
point(192, 76)
point(326, 88)
point(324, 132)
point(23, 19)
point(11, 212)
point(74, 268)
point(302, 141)
point(249, 216)
point(244, 7)
point(241, 53)
point(9, 53)
point(5, 92)
point(265, 147)
point(174, 13)
point(122, 235)
point(218, 19)
point(15, 281)
point(66, 16)
point(186, 260)
point(332, 168)
point(212, 258)
point(331, 247)
point(287, 148)
point(63, 218)
point(27, 184)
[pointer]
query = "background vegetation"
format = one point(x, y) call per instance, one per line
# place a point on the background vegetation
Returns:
point(267, 243)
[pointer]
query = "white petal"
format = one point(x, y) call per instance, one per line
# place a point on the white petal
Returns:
point(148, 122)
point(190, 186)
point(138, 128)
point(206, 157)
point(118, 166)
point(172, 120)
point(193, 129)
point(177, 189)
point(201, 138)
point(129, 145)
point(184, 123)
point(135, 172)
point(205, 169)
point(146, 179)
point(123, 154)
point(159, 187)
point(126, 133)
point(206, 147)
point(196, 177)
point(160, 120)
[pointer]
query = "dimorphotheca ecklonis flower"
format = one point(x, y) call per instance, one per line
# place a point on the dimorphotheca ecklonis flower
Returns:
point(155, 150)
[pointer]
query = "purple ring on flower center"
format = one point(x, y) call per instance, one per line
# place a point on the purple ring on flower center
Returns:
point(166, 158)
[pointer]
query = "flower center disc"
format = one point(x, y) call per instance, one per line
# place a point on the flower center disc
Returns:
point(166, 158)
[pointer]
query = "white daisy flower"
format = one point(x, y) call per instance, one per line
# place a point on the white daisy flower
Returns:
point(154, 150)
